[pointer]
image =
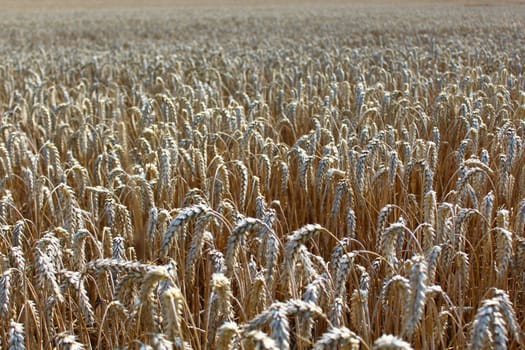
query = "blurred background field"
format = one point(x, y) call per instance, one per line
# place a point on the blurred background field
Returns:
point(94, 4)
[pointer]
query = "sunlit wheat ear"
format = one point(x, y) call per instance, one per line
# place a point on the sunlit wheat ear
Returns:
point(147, 198)
point(195, 249)
point(433, 155)
point(306, 264)
point(7, 205)
point(509, 314)
point(462, 183)
point(200, 166)
point(172, 305)
point(340, 191)
point(305, 161)
point(428, 234)
point(151, 226)
point(223, 180)
point(16, 336)
point(416, 301)
point(503, 252)
point(225, 335)
point(397, 286)
point(298, 238)
point(5, 293)
point(258, 340)
point(265, 169)
point(5, 160)
point(344, 265)
point(389, 238)
point(68, 341)
point(261, 319)
point(519, 225)
point(18, 261)
point(428, 178)
point(444, 222)
point(487, 321)
point(351, 222)
point(360, 173)
point(237, 238)
point(46, 271)
point(107, 242)
point(392, 168)
point(184, 216)
point(502, 218)
point(271, 256)
point(430, 208)
point(148, 308)
point(338, 338)
point(323, 167)
point(118, 249)
point(276, 316)
point(165, 174)
point(150, 280)
point(81, 177)
point(432, 260)
point(257, 295)
point(295, 251)
point(161, 342)
point(390, 342)
point(18, 235)
point(340, 248)
point(337, 312)
point(243, 172)
point(51, 156)
point(118, 266)
point(359, 311)
point(283, 181)
point(280, 328)
point(314, 293)
point(382, 222)
point(511, 148)
point(260, 206)
point(76, 282)
point(79, 243)
point(518, 266)
point(220, 308)
point(217, 260)
point(305, 312)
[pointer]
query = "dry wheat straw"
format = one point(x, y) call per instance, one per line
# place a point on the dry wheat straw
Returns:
point(114, 158)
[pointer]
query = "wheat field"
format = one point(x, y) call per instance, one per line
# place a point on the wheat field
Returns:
point(269, 177)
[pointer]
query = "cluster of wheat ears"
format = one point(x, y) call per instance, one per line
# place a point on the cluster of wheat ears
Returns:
point(263, 180)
